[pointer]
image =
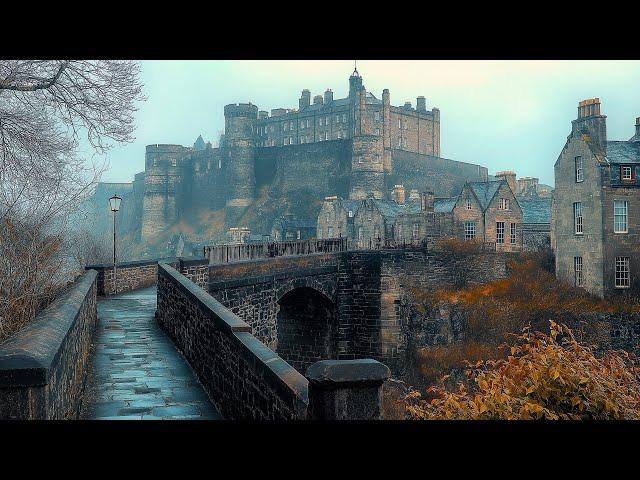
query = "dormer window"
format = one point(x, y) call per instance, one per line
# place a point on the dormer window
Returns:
point(504, 204)
point(626, 172)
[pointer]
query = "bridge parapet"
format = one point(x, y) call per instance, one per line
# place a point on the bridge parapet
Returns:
point(43, 366)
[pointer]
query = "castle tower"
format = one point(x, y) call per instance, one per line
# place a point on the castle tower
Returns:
point(367, 171)
point(162, 188)
point(386, 132)
point(240, 126)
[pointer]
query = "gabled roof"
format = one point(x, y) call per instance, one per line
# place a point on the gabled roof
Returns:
point(535, 209)
point(623, 152)
point(485, 191)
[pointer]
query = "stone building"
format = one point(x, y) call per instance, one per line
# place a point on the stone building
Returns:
point(280, 162)
point(488, 212)
point(290, 227)
point(335, 219)
point(536, 222)
point(596, 206)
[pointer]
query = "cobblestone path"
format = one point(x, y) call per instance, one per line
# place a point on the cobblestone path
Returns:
point(136, 372)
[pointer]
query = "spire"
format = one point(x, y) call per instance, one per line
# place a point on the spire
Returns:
point(355, 69)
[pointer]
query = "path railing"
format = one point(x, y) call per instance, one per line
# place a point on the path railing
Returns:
point(227, 253)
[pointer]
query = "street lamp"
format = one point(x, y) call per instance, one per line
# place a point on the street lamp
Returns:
point(114, 204)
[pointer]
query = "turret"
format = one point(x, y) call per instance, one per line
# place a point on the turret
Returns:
point(163, 182)
point(421, 104)
point(240, 127)
point(592, 123)
point(305, 99)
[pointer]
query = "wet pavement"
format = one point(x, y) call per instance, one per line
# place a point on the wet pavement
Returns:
point(136, 372)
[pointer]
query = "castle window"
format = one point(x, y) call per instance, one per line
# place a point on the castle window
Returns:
point(350, 213)
point(512, 236)
point(174, 162)
point(337, 118)
point(291, 125)
point(344, 118)
point(285, 126)
point(620, 216)
point(399, 142)
point(330, 232)
point(319, 232)
point(377, 131)
point(376, 115)
point(326, 135)
point(415, 230)
point(298, 235)
point(500, 233)
point(327, 121)
point(468, 204)
point(308, 123)
point(400, 123)
point(579, 169)
point(360, 234)
point(626, 172)
point(622, 272)
point(301, 123)
point(577, 271)
point(469, 230)
point(577, 218)
point(504, 204)
point(320, 121)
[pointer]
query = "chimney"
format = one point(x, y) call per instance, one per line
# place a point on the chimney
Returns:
point(317, 100)
point(263, 115)
point(426, 201)
point(407, 105)
point(509, 177)
point(305, 99)
point(636, 137)
point(421, 104)
point(398, 194)
point(328, 96)
point(591, 122)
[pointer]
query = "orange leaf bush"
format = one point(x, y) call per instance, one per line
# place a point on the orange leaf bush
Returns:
point(544, 377)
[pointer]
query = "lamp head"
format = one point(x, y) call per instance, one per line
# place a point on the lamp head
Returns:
point(114, 203)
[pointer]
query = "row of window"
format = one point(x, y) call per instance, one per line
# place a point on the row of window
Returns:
point(622, 276)
point(470, 232)
point(504, 204)
point(620, 217)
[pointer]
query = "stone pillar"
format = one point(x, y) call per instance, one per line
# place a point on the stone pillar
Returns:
point(346, 389)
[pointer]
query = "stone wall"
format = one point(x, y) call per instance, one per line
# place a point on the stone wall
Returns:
point(141, 274)
point(43, 366)
point(243, 377)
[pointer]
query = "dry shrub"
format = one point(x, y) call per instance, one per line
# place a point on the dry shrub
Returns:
point(544, 377)
point(29, 273)
point(454, 245)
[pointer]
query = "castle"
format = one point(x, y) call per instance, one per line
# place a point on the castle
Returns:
point(287, 161)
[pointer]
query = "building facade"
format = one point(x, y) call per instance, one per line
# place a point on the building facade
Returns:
point(596, 206)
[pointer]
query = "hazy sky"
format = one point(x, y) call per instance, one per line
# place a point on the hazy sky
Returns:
point(501, 114)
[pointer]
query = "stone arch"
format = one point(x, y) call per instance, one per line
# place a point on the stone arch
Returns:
point(306, 325)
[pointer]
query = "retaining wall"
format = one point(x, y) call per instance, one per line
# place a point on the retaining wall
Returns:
point(43, 366)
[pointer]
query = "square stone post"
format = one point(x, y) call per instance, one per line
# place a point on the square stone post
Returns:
point(346, 389)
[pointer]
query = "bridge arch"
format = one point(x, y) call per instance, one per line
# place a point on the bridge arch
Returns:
point(307, 325)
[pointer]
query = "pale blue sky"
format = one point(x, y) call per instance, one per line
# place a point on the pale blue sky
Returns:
point(501, 114)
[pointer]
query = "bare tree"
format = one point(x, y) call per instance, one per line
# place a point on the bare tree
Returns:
point(46, 109)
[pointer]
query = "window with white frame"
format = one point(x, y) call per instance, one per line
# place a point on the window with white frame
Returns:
point(415, 230)
point(400, 123)
point(360, 233)
point(579, 169)
point(577, 217)
point(298, 235)
point(627, 173)
point(285, 126)
point(350, 213)
point(319, 232)
point(504, 204)
point(330, 232)
point(468, 204)
point(500, 232)
point(622, 272)
point(469, 230)
point(620, 216)
point(308, 123)
point(326, 135)
point(512, 234)
point(577, 271)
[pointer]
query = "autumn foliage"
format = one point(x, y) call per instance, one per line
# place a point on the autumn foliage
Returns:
point(544, 377)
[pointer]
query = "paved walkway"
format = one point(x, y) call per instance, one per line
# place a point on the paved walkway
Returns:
point(136, 371)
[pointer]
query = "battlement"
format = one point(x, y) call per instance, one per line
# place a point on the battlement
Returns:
point(241, 110)
point(164, 148)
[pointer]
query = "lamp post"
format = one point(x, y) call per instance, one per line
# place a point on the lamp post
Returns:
point(114, 204)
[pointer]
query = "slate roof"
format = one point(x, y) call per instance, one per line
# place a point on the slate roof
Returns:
point(535, 210)
point(389, 208)
point(485, 191)
point(352, 205)
point(623, 152)
point(444, 205)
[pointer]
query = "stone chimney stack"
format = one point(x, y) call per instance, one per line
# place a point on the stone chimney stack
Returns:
point(421, 104)
point(398, 194)
point(509, 177)
point(636, 137)
point(426, 201)
point(592, 123)
point(305, 99)
point(328, 96)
